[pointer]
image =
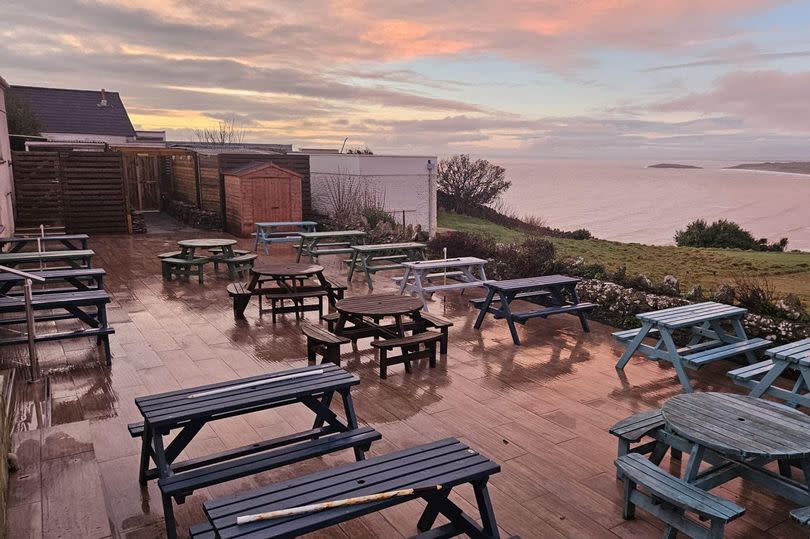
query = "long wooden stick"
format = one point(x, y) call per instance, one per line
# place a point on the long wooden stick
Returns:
point(315, 507)
point(256, 383)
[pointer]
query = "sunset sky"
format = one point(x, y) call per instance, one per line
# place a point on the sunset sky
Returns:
point(654, 79)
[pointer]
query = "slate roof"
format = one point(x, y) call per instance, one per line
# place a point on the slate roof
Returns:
point(76, 111)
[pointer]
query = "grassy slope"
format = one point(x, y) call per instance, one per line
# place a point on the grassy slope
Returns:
point(787, 272)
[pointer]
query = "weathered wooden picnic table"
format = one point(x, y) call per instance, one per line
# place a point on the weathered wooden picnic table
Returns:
point(188, 248)
point(465, 272)
point(74, 258)
point(271, 232)
point(709, 341)
point(189, 410)
point(392, 255)
point(762, 377)
point(220, 251)
point(78, 279)
point(338, 242)
point(68, 241)
point(555, 294)
point(736, 436)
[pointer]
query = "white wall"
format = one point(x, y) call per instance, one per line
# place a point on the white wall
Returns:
point(85, 137)
point(405, 182)
point(6, 209)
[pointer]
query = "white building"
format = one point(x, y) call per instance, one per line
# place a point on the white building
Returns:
point(406, 184)
point(6, 193)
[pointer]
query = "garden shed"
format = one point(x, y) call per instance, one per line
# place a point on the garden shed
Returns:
point(258, 192)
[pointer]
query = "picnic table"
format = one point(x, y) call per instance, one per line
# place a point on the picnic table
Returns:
point(761, 377)
point(338, 242)
point(709, 341)
point(735, 436)
point(220, 251)
point(69, 241)
point(78, 279)
point(189, 410)
point(270, 232)
point(74, 258)
point(392, 255)
point(465, 272)
point(188, 248)
point(555, 294)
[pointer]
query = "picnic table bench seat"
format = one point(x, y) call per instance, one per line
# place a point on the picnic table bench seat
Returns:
point(801, 516)
point(182, 484)
point(751, 372)
point(698, 359)
point(72, 303)
point(633, 429)
point(324, 342)
point(629, 334)
point(183, 267)
point(669, 497)
point(431, 321)
point(170, 254)
point(523, 296)
point(548, 311)
point(410, 346)
point(239, 264)
point(448, 463)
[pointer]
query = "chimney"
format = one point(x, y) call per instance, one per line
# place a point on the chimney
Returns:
point(103, 102)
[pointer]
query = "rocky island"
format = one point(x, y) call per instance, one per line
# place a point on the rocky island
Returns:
point(672, 165)
point(793, 167)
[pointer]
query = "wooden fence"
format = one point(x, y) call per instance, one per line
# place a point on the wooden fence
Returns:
point(81, 191)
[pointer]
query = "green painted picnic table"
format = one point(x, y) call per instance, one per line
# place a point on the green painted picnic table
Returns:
point(761, 377)
point(390, 254)
point(188, 247)
point(709, 341)
point(312, 243)
point(75, 258)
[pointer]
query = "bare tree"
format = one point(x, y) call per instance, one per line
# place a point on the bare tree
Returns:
point(471, 183)
point(225, 133)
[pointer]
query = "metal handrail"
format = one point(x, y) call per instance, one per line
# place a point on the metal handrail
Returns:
point(28, 294)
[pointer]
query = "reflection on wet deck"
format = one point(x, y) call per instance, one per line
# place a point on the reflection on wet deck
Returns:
point(541, 410)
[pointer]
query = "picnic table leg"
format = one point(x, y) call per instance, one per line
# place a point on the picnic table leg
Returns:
point(326, 401)
point(300, 249)
point(739, 331)
point(432, 510)
point(146, 452)
point(488, 521)
point(583, 320)
point(352, 263)
point(366, 265)
point(633, 345)
point(417, 288)
point(770, 377)
point(256, 243)
point(507, 314)
point(165, 471)
point(484, 308)
point(404, 283)
point(351, 421)
point(675, 359)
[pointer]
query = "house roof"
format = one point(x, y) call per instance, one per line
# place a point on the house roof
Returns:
point(76, 111)
point(256, 166)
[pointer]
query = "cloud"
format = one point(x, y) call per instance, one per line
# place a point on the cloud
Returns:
point(732, 60)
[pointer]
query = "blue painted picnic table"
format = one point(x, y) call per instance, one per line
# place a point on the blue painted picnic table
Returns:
point(709, 341)
point(762, 377)
point(281, 232)
point(555, 294)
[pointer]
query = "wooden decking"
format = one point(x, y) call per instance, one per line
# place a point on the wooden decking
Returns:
point(541, 410)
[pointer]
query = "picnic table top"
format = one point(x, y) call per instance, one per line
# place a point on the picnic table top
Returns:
point(286, 223)
point(690, 315)
point(444, 262)
point(206, 243)
point(532, 282)
point(174, 407)
point(331, 234)
point(55, 274)
point(56, 237)
point(372, 247)
point(798, 351)
point(379, 305)
point(290, 269)
point(739, 425)
point(35, 256)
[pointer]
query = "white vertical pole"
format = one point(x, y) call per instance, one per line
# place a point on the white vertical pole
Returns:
point(32, 336)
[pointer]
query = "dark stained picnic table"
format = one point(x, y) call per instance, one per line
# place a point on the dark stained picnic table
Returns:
point(190, 409)
point(68, 241)
point(738, 436)
point(366, 312)
point(555, 294)
point(75, 258)
point(290, 277)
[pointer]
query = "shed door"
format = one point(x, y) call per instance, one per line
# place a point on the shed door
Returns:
point(277, 201)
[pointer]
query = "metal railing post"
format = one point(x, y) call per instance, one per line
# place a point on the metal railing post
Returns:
point(28, 296)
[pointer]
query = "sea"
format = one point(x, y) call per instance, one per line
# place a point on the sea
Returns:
point(628, 202)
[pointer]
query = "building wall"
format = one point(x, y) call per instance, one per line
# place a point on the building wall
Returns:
point(405, 182)
point(6, 194)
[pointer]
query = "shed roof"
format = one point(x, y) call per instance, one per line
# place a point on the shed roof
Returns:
point(254, 167)
point(61, 110)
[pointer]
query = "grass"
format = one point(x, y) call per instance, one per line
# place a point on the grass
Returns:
point(787, 272)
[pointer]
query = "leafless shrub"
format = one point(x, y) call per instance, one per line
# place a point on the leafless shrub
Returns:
point(226, 132)
point(347, 197)
point(757, 294)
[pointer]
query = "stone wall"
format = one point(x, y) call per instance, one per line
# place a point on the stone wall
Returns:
point(618, 306)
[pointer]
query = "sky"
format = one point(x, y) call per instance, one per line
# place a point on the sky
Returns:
point(575, 79)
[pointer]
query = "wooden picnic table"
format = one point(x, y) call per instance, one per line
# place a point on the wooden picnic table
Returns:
point(79, 279)
point(78, 258)
point(270, 232)
point(289, 280)
point(189, 410)
point(762, 377)
point(465, 272)
point(392, 255)
point(189, 247)
point(338, 242)
point(366, 312)
point(709, 341)
point(555, 294)
point(738, 436)
point(18, 243)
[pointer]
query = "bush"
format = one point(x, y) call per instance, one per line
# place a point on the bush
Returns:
point(463, 244)
point(723, 234)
